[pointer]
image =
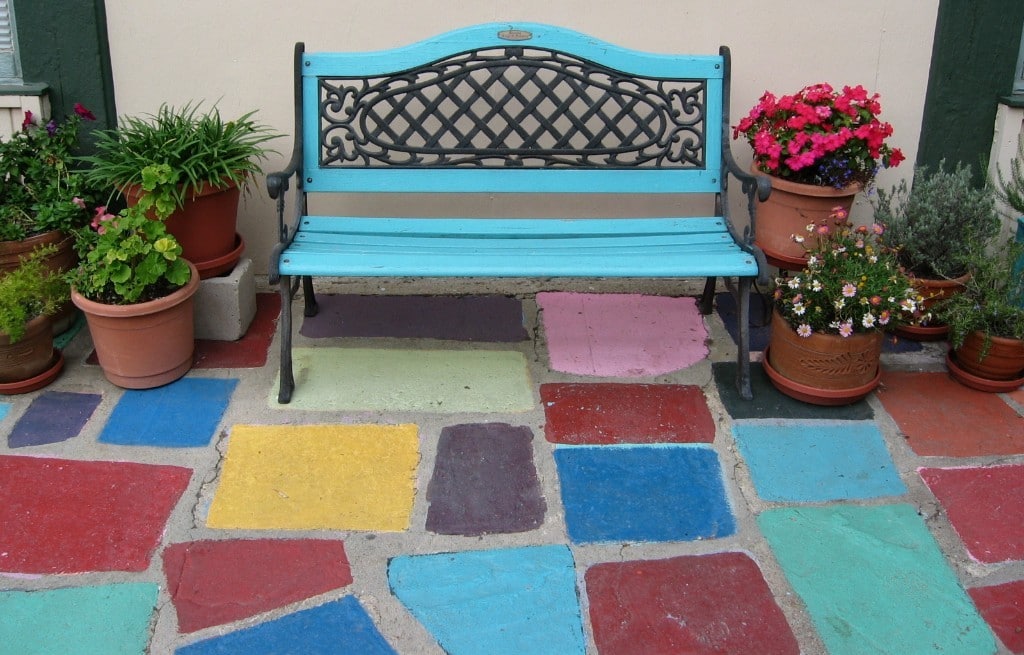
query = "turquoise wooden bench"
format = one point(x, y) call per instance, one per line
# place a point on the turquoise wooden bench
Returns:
point(522, 108)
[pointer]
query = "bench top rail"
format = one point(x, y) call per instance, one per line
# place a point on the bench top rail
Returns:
point(511, 108)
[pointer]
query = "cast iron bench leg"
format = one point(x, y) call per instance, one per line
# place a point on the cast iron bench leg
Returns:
point(287, 382)
point(743, 356)
point(707, 299)
point(311, 306)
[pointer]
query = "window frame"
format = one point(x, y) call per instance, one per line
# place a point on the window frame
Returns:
point(10, 69)
point(1018, 80)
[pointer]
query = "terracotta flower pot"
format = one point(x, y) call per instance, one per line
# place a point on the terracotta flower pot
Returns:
point(843, 369)
point(63, 260)
point(30, 355)
point(147, 344)
point(932, 290)
point(1004, 361)
point(788, 211)
point(205, 227)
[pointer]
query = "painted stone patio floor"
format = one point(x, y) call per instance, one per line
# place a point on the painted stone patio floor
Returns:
point(561, 473)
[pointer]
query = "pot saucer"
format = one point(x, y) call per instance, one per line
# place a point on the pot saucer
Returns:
point(814, 395)
point(37, 382)
point(224, 263)
point(978, 383)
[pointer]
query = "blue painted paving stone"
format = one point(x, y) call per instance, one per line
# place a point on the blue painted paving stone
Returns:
point(484, 481)
point(643, 493)
point(182, 414)
point(94, 620)
point(340, 627)
point(817, 461)
point(874, 581)
point(769, 402)
point(494, 602)
point(53, 416)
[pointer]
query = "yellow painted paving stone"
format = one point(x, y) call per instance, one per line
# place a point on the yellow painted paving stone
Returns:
point(332, 477)
point(379, 379)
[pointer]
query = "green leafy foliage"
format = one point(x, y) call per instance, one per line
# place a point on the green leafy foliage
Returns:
point(28, 291)
point(172, 153)
point(1011, 189)
point(127, 258)
point(993, 300)
point(40, 189)
point(933, 221)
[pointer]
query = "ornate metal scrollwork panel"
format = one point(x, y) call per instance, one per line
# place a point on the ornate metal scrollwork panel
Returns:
point(512, 107)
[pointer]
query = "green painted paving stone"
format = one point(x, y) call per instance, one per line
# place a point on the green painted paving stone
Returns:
point(874, 581)
point(376, 379)
point(101, 620)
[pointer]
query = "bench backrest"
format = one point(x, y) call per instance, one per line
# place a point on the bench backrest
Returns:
point(523, 108)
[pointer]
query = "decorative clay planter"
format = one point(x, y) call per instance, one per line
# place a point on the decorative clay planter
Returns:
point(823, 369)
point(932, 290)
point(1003, 362)
point(29, 357)
point(63, 260)
point(205, 228)
point(788, 211)
point(147, 344)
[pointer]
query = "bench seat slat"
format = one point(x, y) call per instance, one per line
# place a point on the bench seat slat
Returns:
point(509, 227)
point(459, 247)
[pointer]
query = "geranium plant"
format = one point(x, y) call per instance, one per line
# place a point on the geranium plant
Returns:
point(127, 258)
point(820, 136)
point(38, 182)
point(852, 282)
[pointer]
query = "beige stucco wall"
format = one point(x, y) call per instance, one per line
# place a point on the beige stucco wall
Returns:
point(238, 53)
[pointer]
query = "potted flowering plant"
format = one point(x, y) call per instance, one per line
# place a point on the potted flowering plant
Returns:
point(29, 295)
point(137, 295)
point(43, 196)
point(186, 167)
point(820, 147)
point(828, 319)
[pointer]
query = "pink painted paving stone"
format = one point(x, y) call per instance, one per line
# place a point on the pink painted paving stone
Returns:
point(217, 582)
point(985, 506)
point(67, 516)
point(700, 605)
point(621, 335)
point(1002, 607)
point(582, 414)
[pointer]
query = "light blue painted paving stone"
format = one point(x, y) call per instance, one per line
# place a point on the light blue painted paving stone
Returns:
point(182, 414)
point(340, 627)
point(874, 581)
point(643, 493)
point(4, 409)
point(102, 620)
point(815, 461)
point(494, 602)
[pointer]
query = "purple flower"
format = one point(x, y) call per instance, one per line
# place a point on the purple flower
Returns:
point(51, 127)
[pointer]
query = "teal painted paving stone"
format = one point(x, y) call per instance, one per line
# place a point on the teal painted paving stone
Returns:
point(340, 627)
point(817, 461)
point(182, 414)
point(643, 493)
point(102, 620)
point(874, 581)
point(494, 602)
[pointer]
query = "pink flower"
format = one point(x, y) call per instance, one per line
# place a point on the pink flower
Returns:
point(803, 330)
point(28, 122)
point(101, 217)
point(83, 112)
point(846, 329)
point(79, 202)
point(849, 290)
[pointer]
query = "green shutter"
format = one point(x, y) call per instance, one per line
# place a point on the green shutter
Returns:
point(1018, 81)
point(8, 61)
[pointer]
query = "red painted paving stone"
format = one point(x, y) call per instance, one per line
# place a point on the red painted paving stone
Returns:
point(217, 582)
point(985, 506)
point(941, 417)
point(251, 350)
point(707, 604)
point(595, 414)
point(67, 516)
point(1002, 606)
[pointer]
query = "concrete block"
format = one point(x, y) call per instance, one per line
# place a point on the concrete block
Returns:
point(226, 305)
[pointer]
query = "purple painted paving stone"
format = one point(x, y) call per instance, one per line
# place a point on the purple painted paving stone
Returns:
point(52, 417)
point(457, 318)
point(484, 481)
